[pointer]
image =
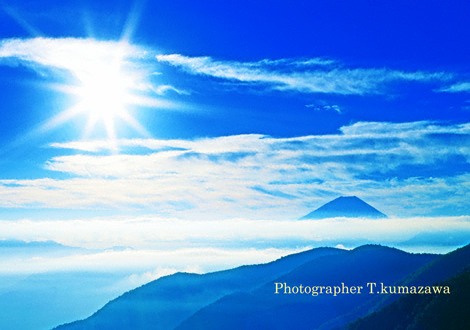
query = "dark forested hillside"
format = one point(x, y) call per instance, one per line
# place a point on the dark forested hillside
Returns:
point(416, 312)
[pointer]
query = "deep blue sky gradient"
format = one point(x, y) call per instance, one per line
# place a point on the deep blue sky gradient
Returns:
point(423, 35)
point(405, 36)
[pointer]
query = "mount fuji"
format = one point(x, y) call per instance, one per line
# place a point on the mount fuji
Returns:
point(345, 206)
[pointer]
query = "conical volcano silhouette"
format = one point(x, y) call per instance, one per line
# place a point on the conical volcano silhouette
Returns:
point(345, 206)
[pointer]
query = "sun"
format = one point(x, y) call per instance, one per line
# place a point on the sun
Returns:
point(105, 85)
point(106, 81)
point(104, 95)
point(104, 92)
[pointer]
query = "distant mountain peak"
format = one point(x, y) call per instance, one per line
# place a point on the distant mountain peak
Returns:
point(345, 206)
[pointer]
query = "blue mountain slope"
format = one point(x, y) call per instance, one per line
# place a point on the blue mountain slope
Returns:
point(345, 206)
point(428, 312)
point(166, 302)
point(243, 298)
point(262, 309)
point(443, 267)
point(416, 312)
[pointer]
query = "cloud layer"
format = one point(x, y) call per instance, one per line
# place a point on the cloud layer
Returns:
point(314, 75)
point(404, 169)
point(72, 54)
point(147, 244)
point(400, 168)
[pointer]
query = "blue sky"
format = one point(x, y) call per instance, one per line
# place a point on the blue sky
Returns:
point(340, 98)
point(235, 109)
point(165, 136)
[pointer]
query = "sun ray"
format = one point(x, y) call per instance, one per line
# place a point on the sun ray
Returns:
point(131, 121)
point(105, 87)
point(10, 11)
point(132, 20)
point(61, 118)
point(107, 81)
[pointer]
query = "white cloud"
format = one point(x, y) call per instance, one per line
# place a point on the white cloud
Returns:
point(86, 60)
point(142, 262)
point(324, 77)
point(390, 165)
point(461, 87)
point(406, 129)
point(73, 54)
point(234, 143)
point(98, 75)
point(163, 89)
point(158, 246)
point(334, 107)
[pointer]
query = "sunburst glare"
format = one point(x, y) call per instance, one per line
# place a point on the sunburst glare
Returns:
point(107, 81)
point(106, 85)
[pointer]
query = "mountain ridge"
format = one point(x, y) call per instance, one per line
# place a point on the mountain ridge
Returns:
point(259, 309)
point(243, 297)
point(424, 312)
point(158, 293)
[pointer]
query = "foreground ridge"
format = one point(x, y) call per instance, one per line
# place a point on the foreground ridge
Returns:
point(323, 288)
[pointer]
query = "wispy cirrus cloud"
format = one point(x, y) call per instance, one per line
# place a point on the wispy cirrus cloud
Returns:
point(87, 59)
point(98, 75)
point(80, 56)
point(324, 107)
point(401, 168)
point(72, 54)
point(460, 87)
point(314, 75)
point(163, 89)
